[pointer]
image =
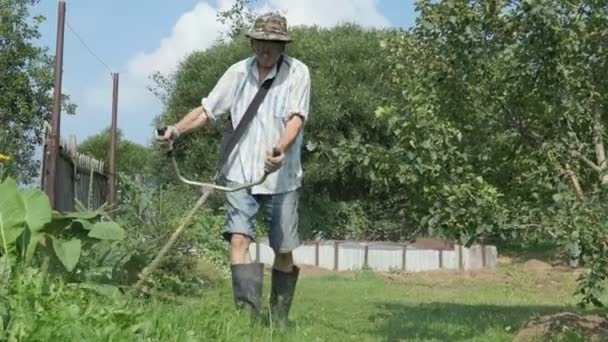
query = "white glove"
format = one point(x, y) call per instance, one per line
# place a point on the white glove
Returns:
point(273, 163)
point(170, 135)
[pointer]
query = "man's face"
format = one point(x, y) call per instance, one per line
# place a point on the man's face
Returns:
point(267, 52)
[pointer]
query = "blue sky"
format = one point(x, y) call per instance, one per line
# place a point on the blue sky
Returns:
point(137, 37)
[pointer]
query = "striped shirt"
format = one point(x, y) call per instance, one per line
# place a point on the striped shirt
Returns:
point(289, 94)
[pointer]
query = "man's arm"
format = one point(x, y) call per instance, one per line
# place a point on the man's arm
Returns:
point(197, 118)
point(293, 127)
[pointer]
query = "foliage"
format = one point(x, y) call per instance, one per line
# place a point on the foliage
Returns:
point(26, 80)
point(151, 214)
point(30, 232)
point(37, 308)
point(518, 81)
point(335, 307)
point(131, 158)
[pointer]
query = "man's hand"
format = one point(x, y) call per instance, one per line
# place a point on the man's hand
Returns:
point(166, 140)
point(274, 160)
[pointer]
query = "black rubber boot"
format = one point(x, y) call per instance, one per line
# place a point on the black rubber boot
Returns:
point(247, 282)
point(281, 296)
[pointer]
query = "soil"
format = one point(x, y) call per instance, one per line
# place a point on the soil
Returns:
point(548, 328)
point(537, 266)
point(311, 271)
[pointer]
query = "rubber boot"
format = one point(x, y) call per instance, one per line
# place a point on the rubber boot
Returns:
point(281, 296)
point(247, 282)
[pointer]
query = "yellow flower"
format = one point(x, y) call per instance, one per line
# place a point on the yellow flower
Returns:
point(4, 157)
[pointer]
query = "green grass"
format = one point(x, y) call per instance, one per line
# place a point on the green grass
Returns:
point(482, 306)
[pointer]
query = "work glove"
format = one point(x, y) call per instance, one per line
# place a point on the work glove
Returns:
point(274, 160)
point(165, 137)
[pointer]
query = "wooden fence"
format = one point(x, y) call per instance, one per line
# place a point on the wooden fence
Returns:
point(82, 181)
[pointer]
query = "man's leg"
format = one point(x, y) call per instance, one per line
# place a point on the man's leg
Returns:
point(282, 217)
point(247, 277)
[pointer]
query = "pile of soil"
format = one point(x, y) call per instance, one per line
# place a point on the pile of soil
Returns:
point(548, 328)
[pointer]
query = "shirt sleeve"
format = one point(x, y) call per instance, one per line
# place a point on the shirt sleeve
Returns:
point(219, 100)
point(299, 92)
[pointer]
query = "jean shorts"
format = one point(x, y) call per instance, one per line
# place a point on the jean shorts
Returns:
point(280, 215)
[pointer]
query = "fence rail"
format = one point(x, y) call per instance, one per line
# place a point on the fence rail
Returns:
point(379, 256)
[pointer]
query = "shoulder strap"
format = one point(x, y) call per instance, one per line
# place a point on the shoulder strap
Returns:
point(231, 140)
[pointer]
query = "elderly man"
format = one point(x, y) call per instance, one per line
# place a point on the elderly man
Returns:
point(277, 126)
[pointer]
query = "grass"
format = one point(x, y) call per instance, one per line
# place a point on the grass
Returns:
point(481, 306)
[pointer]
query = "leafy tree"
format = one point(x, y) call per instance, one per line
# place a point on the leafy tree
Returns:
point(518, 80)
point(131, 159)
point(26, 80)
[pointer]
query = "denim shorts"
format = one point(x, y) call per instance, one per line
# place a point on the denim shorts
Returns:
point(280, 215)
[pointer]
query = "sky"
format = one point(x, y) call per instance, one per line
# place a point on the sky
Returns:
point(136, 38)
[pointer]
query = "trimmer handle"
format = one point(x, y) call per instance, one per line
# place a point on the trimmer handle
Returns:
point(161, 132)
point(276, 152)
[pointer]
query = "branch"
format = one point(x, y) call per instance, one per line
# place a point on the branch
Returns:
point(587, 161)
point(598, 129)
point(575, 182)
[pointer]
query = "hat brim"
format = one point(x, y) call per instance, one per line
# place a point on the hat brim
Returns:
point(271, 37)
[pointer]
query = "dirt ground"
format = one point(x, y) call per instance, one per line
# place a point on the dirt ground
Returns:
point(548, 328)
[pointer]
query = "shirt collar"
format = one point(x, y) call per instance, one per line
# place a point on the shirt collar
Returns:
point(252, 66)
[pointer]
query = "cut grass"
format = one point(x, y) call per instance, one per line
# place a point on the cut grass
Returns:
point(444, 306)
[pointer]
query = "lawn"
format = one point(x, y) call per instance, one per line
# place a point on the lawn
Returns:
point(444, 306)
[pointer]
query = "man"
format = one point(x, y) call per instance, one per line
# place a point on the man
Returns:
point(278, 124)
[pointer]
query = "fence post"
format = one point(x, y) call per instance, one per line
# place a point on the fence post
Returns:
point(336, 243)
point(317, 253)
point(257, 251)
point(403, 257)
point(460, 259)
point(483, 256)
point(365, 256)
point(440, 258)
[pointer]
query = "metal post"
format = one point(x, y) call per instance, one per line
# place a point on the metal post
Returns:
point(50, 174)
point(112, 156)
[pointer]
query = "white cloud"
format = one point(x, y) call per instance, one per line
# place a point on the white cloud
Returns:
point(327, 13)
point(197, 30)
point(194, 30)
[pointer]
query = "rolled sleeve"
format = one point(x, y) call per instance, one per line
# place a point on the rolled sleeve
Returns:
point(299, 93)
point(219, 100)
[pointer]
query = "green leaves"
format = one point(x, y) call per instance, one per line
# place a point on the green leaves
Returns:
point(68, 252)
point(12, 212)
point(107, 231)
point(38, 209)
point(26, 221)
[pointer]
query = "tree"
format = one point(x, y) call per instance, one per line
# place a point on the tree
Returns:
point(518, 80)
point(131, 159)
point(26, 80)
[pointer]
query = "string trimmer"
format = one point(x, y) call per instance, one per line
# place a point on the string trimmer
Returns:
point(207, 189)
